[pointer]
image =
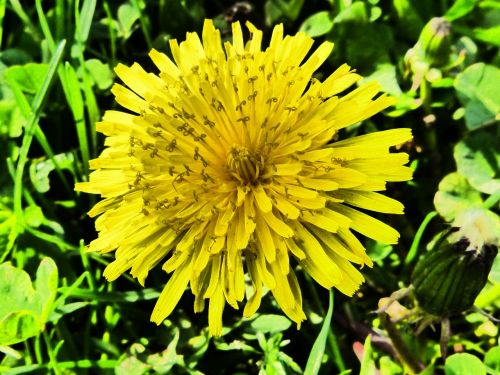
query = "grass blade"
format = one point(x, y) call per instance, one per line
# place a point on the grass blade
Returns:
point(144, 21)
point(367, 363)
point(18, 9)
point(84, 20)
point(315, 357)
point(412, 253)
point(25, 109)
point(30, 130)
point(75, 99)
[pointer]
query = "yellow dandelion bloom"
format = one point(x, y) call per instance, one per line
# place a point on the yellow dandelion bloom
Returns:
point(226, 168)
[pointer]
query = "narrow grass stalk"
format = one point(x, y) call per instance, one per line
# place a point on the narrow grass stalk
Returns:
point(30, 130)
point(413, 366)
point(412, 253)
point(50, 351)
point(492, 200)
point(144, 24)
point(315, 357)
point(25, 109)
point(112, 33)
point(75, 100)
point(83, 21)
point(332, 339)
point(86, 266)
point(38, 350)
point(44, 25)
point(72, 91)
point(110, 297)
point(18, 9)
point(62, 245)
point(59, 18)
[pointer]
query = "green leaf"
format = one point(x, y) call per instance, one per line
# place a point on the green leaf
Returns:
point(478, 91)
point(84, 21)
point(318, 24)
point(459, 9)
point(279, 9)
point(11, 118)
point(39, 170)
point(131, 366)
point(478, 160)
point(368, 44)
point(7, 227)
point(47, 279)
point(354, 13)
point(389, 367)
point(489, 35)
point(464, 364)
point(270, 323)
point(24, 310)
point(235, 345)
point(492, 359)
point(162, 363)
point(455, 195)
point(318, 350)
point(16, 291)
point(127, 16)
point(367, 363)
point(15, 56)
point(18, 326)
point(100, 73)
point(385, 74)
point(29, 77)
point(33, 216)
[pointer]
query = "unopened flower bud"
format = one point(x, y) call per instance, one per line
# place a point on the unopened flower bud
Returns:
point(434, 41)
point(448, 279)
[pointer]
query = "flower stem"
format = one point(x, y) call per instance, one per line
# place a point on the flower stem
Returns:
point(403, 352)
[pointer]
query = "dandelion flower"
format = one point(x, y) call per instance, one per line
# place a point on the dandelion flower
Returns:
point(226, 168)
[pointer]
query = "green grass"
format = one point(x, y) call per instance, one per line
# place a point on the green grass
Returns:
point(56, 71)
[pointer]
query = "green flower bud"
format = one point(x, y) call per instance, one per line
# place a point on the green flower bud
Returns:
point(448, 279)
point(434, 41)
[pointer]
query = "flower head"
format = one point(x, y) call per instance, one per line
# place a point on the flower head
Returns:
point(226, 168)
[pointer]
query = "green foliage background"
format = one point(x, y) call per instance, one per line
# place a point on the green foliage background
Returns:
point(57, 313)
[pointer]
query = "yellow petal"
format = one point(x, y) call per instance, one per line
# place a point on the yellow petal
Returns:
point(368, 225)
point(370, 200)
point(172, 293)
point(277, 225)
point(320, 221)
point(253, 302)
point(261, 199)
point(265, 240)
point(215, 310)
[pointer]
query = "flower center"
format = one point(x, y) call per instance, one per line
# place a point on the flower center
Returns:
point(245, 165)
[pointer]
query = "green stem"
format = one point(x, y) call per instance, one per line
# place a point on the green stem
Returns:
point(412, 253)
point(29, 132)
point(50, 351)
point(492, 200)
point(112, 33)
point(404, 353)
point(144, 24)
